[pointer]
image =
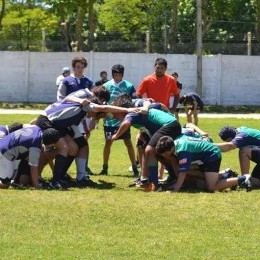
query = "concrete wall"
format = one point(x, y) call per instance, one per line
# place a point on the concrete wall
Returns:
point(227, 80)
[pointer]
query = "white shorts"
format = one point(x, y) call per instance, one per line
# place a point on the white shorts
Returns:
point(7, 168)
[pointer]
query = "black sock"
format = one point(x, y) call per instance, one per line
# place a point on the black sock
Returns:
point(59, 167)
point(69, 161)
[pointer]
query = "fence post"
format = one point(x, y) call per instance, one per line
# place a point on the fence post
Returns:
point(199, 48)
point(219, 80)
point(147, 40)
point(249, 43)
point(27, 75)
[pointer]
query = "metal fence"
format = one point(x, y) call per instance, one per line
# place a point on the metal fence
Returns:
point(154, 42)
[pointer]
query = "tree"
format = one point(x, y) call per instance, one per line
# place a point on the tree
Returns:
point(124, 17)
point(2, 13)
point(23, 27)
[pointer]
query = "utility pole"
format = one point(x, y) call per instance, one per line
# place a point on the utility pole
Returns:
point(249, 43)
point(43, 40)
point(199, 48)
point(147, 40)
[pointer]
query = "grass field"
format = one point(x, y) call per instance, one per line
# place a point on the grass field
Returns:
point(118, 222)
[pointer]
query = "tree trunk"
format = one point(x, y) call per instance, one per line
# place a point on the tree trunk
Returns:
point(173, 25)
point(257, 2)
point(92, 20)
point(2, 13)
point(79, 28)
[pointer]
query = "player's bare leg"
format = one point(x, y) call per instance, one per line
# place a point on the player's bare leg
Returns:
point(195, 116)
point(131, 153)
point(244, 159)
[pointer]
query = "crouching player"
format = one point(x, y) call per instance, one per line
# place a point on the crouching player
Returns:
point(239, 138)
point(25, 143)
point(193, 105)
point(190, 149)
point(158, 123)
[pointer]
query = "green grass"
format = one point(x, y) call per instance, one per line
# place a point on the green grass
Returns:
point(118, 222)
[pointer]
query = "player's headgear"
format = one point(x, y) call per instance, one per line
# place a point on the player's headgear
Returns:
point(118, 68)
point(227, 132)
point(50, 136)
point(14, 127)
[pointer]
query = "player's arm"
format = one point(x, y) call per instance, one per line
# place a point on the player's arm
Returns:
point(176, 102)
point(81, 101)
point(226, 147)
point(196, 129)
point(142, 89)
point(180, 181)
point(125, 125)
point(61, 93)
point(114, 109)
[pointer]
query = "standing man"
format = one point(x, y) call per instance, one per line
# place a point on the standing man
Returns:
point(117, 86)
point(160, 85)
point(64, 73)
point(76, 81)
point(103, 80)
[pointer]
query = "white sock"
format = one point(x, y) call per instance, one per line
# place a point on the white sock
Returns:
point(81, 168)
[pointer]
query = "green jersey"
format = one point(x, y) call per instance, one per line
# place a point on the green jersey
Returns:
point(190, 149)
point(115, 89)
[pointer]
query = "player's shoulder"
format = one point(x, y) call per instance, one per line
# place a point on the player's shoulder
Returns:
point(127, 83)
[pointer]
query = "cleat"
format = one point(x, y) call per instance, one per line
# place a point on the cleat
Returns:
point(152, 187)
point(245, 183)
point(103, 172)
point(58, 185)
point(88, 171)
point(86, 182)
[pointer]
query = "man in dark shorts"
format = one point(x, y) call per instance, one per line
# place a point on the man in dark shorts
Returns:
point(116, 86)
point(193, 105)
point(191, 149)
point(240, 138)
point(158, 123)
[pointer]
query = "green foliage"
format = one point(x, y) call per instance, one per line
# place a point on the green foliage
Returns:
point(123, 16)
point(23, 26)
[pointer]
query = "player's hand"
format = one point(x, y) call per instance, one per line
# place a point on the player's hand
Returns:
point(143, 111)
point(84, 102)
point(113, 138)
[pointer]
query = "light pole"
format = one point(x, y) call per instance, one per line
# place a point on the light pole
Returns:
point(199, 48)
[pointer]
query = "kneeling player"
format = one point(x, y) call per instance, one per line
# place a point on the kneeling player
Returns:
point(22, 144)
point(188, 150)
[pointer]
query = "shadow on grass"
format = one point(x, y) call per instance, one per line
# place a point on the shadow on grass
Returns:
point(103, 185)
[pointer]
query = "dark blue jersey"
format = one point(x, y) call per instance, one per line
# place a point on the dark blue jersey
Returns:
point(73, 84)
point(246, 136)
point(22, 143)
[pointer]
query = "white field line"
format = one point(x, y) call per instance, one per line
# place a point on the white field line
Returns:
point(202, 115)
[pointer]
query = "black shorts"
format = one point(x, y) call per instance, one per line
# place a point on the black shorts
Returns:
point(81, 141)
point(173, 130)
point(212, 166)
point(23, 169)
point(255, 157)
point(109, 131)
point(44, 123)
